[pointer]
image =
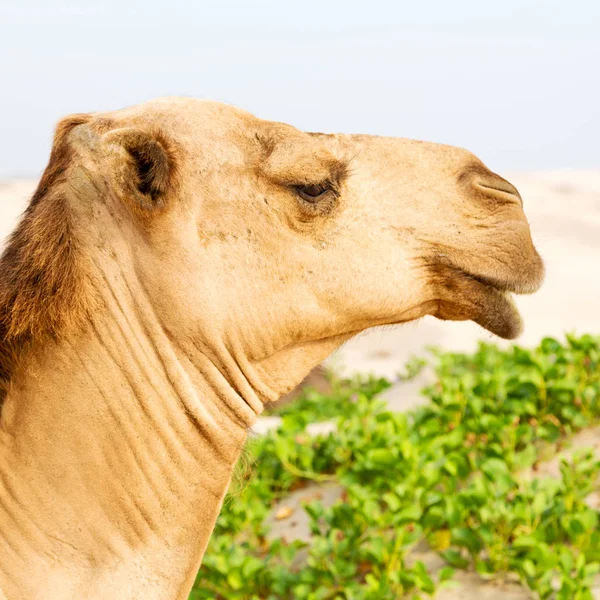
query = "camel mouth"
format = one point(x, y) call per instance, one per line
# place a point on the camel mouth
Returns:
point(487, 302)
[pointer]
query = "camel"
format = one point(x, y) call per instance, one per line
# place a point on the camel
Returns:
point(181, 264)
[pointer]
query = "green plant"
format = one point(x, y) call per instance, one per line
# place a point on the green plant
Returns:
point(454, 474)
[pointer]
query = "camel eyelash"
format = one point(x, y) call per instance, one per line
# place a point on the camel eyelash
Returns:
point(315, 192)
point(316, 200)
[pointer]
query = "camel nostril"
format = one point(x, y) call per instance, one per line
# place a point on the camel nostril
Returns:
point(495, 185)
point(488, 183)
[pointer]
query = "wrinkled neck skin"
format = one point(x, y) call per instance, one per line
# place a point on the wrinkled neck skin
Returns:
point(117, 446)
point(111, 483)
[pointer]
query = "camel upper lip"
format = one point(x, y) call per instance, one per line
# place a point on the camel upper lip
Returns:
point(523, 279)
point(516, 285)
point(501, 286)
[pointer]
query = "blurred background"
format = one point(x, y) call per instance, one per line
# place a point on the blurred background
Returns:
point(516, 82)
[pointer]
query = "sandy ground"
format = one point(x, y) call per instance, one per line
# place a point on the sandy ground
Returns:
point(564, 211)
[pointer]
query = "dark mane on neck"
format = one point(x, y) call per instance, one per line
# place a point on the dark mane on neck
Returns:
point(42, 289)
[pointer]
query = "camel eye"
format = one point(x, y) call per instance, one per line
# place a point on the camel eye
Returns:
point(313, 192)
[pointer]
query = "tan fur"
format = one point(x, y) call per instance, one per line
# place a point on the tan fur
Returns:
point(181, 264)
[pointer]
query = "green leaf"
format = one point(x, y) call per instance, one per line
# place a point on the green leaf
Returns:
point(495, 468)
point(461, 536)
point(234, 579)
point(525, 541)
point(409, 514)
point(454, 558)
point(446, 573)
point(382, 456)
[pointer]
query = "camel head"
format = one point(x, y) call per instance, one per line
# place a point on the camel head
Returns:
point(275, 245)
point(182, 263)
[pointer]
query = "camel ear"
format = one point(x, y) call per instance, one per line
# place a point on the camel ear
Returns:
point(146, 164)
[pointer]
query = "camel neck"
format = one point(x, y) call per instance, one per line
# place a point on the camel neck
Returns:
point(116, 451)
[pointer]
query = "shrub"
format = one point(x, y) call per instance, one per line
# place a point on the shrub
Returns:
point(455, 474)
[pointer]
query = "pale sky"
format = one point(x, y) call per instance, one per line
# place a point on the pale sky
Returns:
point(515, 81)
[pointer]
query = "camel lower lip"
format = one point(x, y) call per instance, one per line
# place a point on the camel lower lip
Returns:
point(495, 307)
point(480, 300)
point(501, 315)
